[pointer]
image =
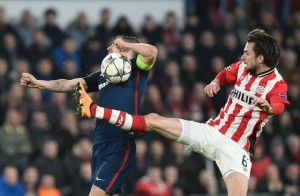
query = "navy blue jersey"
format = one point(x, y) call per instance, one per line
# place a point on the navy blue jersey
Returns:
point(125, 96)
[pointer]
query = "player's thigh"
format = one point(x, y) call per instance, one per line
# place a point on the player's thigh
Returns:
point(237, 184)
point(112, 164)
point(231, 157)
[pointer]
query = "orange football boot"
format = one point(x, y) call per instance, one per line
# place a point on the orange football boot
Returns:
point(83, 102)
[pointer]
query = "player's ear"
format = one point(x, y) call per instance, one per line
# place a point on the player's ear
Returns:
point(260, 58)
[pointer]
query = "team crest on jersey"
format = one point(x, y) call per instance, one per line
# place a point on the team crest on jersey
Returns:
point(228, 67)
point(260, 89)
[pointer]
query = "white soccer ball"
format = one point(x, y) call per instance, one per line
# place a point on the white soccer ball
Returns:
point(116, 68)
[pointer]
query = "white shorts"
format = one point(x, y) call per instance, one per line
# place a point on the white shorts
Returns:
point(228, 154)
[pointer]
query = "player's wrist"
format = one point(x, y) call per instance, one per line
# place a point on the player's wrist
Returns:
point(215, 82)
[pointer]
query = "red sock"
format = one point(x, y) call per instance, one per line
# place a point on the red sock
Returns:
point(93, 109)
point(121, 119)
point(138, 123)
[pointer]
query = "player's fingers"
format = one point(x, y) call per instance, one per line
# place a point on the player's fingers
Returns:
point(26, 78)
point(205, 89)
point(259, 102)
point(264, 104)
point(211, 92)
point(215, 90)
point(24, 81)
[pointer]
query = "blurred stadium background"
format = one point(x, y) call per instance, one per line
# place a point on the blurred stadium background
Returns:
point(44, 148)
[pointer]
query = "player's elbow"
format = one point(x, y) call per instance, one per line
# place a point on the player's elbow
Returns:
point(153, 51)
point(278, 111)
point(278, 108)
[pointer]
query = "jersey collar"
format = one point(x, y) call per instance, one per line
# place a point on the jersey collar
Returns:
point(264, 73)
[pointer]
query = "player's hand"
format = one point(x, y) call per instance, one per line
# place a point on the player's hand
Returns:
point(212, 89)
point(263, 104)
point(28, 80)
point(121, 45)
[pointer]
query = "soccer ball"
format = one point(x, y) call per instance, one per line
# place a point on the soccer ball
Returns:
point(116, 68)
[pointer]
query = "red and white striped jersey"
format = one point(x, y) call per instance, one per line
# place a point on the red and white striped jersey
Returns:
point(239, 119)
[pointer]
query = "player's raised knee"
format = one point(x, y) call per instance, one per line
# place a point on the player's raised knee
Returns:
point(152, 116)
point(152, 120)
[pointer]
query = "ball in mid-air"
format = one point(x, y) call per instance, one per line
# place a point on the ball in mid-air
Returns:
point(116, 68)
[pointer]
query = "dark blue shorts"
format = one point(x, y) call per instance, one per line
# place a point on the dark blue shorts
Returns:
point(111, 163)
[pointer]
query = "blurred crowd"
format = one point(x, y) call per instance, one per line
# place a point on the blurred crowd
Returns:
point(46, 150)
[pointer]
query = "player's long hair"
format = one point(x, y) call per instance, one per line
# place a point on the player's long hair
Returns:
point(265, 45)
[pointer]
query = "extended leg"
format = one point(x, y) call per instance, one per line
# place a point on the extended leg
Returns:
point(168, 127)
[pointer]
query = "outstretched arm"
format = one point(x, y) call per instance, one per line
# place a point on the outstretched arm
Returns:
point(59, 86)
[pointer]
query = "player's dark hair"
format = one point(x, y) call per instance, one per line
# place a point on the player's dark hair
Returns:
point(265, 45)
point(130, 39)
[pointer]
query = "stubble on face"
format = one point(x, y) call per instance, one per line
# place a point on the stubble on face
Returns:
point(252, 69)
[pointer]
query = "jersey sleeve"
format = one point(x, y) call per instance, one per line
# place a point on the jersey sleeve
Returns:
point(229, 74)
point(143, 66)
point(92, 82)
point(278, 97)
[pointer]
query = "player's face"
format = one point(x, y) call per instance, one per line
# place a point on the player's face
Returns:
point(113, 48)
point(249, 58)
